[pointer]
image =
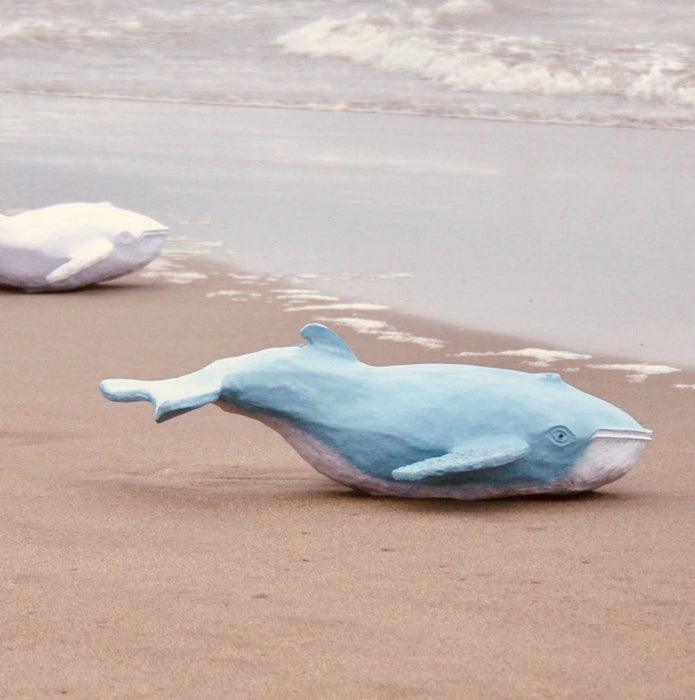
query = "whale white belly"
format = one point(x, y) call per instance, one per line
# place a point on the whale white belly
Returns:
point(332, 464)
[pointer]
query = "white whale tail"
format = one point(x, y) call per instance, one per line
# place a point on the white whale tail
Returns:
point(170, 398)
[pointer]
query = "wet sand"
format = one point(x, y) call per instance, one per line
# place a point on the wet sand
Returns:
point(203, 558)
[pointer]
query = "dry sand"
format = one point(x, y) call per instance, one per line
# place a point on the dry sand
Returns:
point(204, 558)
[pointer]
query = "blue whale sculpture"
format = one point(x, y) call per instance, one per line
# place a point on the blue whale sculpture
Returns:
point(427, 430)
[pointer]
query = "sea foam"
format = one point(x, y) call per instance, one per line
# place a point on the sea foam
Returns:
point(638, 373)
point(537, 357)
point(382, 330)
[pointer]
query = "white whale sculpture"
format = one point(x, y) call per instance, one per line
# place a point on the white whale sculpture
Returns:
point(67, 246)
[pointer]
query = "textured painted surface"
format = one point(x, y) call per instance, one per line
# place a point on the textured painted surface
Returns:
point(429, 430)
point(67, 246)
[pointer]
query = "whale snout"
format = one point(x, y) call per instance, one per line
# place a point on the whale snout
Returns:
point(152, 241)
point(609, 455)
point(133, 252)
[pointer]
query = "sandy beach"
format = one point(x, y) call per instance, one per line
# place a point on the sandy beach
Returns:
point(203, 558)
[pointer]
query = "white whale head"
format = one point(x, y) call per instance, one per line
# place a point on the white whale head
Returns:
point(137, 239)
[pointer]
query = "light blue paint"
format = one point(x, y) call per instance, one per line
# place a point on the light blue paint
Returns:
point(449, 430)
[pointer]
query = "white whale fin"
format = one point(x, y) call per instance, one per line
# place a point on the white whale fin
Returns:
point(321, 336)
point(483, 453)
point(82, 258)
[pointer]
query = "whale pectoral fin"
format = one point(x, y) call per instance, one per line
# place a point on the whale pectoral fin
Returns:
point(484, 453)
point(82, 258)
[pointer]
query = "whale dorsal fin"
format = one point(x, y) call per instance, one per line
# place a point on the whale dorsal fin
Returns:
point(320, 336)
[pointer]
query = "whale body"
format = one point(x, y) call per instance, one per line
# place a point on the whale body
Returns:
point(427, 430)
point(68, 246)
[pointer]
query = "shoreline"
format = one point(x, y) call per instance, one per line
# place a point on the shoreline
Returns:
point(202, 556)
point(186, 261)
point(566, 233)
point(347, 110)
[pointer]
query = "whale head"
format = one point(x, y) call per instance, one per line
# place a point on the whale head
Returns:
point(137, 239)
point(523, 433)
point(72, 245)
point(576, 441)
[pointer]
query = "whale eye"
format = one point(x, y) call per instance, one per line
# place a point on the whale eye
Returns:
point(125, 237)
point(561, 435)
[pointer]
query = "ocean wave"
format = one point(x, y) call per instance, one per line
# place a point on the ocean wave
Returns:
point(627, 63)
point(466, 60)
point(63, 30)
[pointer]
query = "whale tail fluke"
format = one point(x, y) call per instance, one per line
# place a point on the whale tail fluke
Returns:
point(167, 401)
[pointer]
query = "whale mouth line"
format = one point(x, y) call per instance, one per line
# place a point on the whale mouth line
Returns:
point(623, 434)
